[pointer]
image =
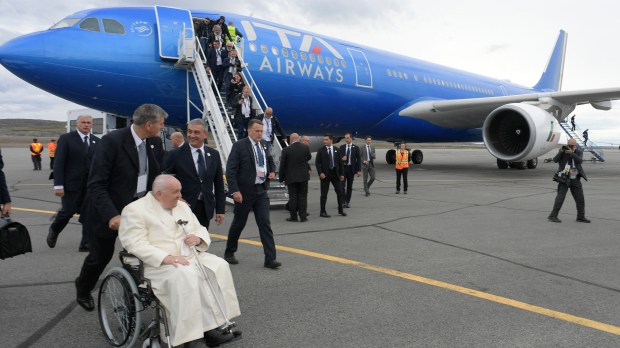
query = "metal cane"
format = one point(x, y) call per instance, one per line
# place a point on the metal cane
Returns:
point(227, 328)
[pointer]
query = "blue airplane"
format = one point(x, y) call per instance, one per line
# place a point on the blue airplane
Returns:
point(114, 59)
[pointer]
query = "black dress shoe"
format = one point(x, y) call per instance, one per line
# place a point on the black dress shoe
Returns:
point(367, 194)
point(397, 192)
point(231, 259)
point(84, 248)
point(342, 213)
point(554, 219)
point(303, 219)
point(586, 220)
point(86, 302)
point(215, 337)
point(273, 264)
point(324, 214)
point(52, 237)
point(346, 205)
point(291, 219)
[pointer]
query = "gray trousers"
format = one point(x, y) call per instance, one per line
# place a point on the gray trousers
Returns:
point(368, 170)
point(576, 189)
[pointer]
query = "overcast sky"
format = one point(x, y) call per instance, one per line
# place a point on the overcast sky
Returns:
point(509, 39)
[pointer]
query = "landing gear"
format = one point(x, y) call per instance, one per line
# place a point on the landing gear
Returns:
point(417, 157)
point(390, 156)
point(502, 164)
point(533, 163)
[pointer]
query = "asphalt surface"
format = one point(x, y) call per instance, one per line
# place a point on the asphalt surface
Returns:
point(466, 259)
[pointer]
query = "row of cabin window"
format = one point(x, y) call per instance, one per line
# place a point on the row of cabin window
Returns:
point(404, 75)
point(304, 56)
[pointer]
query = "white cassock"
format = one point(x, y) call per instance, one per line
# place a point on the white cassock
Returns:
point(151, 233)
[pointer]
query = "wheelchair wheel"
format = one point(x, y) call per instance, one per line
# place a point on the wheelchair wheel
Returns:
point(119, 308)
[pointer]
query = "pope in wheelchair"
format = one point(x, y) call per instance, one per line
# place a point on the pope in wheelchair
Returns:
point(161, 231)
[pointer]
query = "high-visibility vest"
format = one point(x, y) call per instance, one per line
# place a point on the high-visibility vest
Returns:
point(36, 149)
point(51, 148)
point(233, 33)
point(402, 159)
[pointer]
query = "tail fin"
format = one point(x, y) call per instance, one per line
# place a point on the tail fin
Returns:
point(551, 79)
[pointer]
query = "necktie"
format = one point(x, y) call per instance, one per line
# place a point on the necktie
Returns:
point(202, 172)
point(142, 157)
point(331, 158)
point(349, 154)
point(86, 142)
point(368, 153)
point(259, 156)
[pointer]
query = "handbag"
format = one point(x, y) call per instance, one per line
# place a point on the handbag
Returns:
point(561, 178)
point(14, 239)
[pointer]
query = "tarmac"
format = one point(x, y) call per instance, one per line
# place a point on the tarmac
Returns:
point(466, 259)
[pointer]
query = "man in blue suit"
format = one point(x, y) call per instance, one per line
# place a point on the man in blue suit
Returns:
point(248, 170)
point(199, 169)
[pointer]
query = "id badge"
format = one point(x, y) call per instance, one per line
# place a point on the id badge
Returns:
point(573, 173)
point(260, 172)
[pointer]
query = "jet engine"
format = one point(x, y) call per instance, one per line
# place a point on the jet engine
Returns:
point(520, 132)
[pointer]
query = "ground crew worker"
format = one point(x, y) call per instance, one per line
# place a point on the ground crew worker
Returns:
point(234, 33)
point(36, 149)
point(402, 167)
point(51, 151)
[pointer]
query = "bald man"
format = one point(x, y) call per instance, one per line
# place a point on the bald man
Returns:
point(294, 172)
point(177, 139)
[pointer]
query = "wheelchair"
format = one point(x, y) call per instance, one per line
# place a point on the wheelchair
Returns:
point(124, 296)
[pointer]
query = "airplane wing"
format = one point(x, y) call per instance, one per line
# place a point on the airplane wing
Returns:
point(471, 113)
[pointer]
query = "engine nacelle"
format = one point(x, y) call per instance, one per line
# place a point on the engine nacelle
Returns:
point(520, 132)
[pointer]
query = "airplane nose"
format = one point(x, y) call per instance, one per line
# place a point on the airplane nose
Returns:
point(22, 53)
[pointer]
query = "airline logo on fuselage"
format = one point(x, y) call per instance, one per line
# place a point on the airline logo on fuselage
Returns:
point(292, 66)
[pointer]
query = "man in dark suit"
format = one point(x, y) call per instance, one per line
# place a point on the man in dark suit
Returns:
point(248, 170)
point(5, 197)
point(199, 169)
point(216, 56)
point(294, 172)
point(331, 170)
point(123, 169)
point(368, 164)
point(73, 157)
point(244, 111)
point(270, 125)
point(569, 160)
point(352, 166)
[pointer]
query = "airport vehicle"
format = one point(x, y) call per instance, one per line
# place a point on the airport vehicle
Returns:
point(114, 59)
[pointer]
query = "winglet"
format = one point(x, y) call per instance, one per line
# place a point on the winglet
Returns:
point(551, 79)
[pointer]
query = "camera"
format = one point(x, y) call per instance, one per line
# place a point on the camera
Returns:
point(565, 148)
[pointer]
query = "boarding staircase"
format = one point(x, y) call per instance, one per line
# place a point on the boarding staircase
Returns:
point(216, 112)
point(588, 146)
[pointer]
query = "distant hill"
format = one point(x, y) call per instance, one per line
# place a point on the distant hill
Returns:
point(19, 132)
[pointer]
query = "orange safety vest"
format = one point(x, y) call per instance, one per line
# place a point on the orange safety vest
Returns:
point(51, 149)
point(402, 160)
point(36, 149)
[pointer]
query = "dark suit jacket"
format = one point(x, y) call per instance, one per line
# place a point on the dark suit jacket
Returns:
point(212, 57)
point(112, 181)
point(294, 163)
point(226, 63)
point(4, 190)
point(561, 158)
point(322, 161)
point(241, 168)
point(356, 159)
point(238, 115)
point(180, 162)
point(72, 161)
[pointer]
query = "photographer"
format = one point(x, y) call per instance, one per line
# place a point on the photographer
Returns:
point(569, 159)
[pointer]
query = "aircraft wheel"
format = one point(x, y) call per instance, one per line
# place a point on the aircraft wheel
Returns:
point(390, 157)
point(417, 157)
point(502, 164)
point(533, 163)
point(518, 165)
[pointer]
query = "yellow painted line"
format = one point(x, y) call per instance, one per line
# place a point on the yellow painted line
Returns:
point(471, 292)
point(437, 283)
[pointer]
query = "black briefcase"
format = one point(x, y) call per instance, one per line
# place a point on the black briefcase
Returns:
point(14, 238)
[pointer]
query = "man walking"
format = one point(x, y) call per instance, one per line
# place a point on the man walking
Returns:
point(199, 169)
point(330, 168)
point(294, 172)
point(248, 170)
point(75, 151)
point(368, 166)
point(352, 166)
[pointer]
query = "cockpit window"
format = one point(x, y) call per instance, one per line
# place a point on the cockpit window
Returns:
point(112, 26)
point(91, 24)
point(65, 23)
